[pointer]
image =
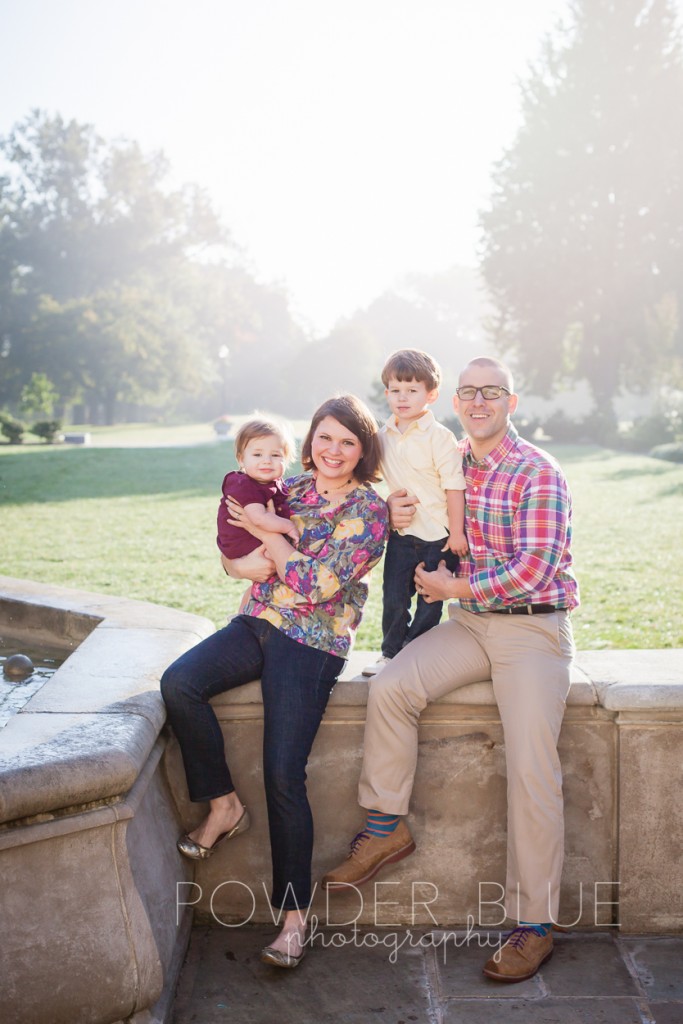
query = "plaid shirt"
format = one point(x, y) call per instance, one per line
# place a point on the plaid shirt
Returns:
point(518, 522)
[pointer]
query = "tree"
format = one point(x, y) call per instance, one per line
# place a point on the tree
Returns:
point(122, 290)
point(583, 239)
point(93, 258)
point(246, 334)
point(440, 313)
point(38, 396)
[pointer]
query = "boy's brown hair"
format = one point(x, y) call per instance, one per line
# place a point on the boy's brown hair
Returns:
point(251, 429)
point(412, 364)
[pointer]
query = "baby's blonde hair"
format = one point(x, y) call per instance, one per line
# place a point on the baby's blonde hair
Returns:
point(251, 429)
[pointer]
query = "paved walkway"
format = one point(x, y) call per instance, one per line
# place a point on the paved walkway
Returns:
point(592, 978)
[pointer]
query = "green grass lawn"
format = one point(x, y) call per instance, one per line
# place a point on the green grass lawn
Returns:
point(140, 522)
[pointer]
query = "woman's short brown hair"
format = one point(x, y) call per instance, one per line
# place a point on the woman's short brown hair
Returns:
point(356, 417)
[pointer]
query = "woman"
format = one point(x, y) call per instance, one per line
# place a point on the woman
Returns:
point(294, 635)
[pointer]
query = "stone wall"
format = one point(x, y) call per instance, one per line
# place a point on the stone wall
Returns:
point(96, 903)
point(91, 930)
point(621, 748)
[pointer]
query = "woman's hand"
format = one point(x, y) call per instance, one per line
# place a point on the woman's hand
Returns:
point(257, 566)
point(401, 508)
point(277, 547)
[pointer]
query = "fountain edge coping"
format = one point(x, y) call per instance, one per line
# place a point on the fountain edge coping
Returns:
point(87, 734)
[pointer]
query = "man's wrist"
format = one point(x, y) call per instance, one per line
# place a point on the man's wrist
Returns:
point(461, 587)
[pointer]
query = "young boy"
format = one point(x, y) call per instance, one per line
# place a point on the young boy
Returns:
point(420, 455)
point(263, 450)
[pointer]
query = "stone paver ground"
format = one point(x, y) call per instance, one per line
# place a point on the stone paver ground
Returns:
point(401, 977)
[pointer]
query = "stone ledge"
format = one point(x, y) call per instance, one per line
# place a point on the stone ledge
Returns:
point(614, 680)
point(86, 734)
point(352, 689)
point(92, 895)
point(637, 679)
point(51, 762)
point(109, 612)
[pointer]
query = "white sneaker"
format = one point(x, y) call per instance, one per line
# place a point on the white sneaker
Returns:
point(372, 670)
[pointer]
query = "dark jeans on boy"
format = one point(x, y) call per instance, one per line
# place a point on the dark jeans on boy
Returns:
point(403, 555)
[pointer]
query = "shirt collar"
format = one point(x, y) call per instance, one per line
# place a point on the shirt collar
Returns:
point(423, 423)
point(505, 446)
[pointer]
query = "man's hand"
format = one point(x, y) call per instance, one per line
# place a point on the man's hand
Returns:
point(435, 586)
point(401, 508)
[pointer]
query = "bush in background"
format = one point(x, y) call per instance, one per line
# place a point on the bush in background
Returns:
point(649, 431)
point(672, 452)
point(47, 429)
point(642, 435)
point(559, 427)
point(12, 429)
point(454, 425)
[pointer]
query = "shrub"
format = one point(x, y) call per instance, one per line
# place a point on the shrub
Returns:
point(454, 425)
point(13, 430)
point(222, 425)
point(600, 427)
point(647, 432)
point(672, 452)
point(47, 429)
point(560, 428)
point(528, 426)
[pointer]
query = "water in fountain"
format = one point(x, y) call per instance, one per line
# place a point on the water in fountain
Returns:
point(18, 682)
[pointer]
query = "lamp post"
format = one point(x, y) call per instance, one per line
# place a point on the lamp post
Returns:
point(224, 356)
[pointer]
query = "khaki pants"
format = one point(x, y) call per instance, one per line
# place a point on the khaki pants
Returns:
point(528, 658)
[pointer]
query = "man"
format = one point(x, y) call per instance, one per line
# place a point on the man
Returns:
point(516, 590)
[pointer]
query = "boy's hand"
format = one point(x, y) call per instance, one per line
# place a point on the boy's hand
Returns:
point(457, 543)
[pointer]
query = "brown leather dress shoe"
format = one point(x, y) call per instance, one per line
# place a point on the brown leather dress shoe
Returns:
point(369, 854)
point(520, 956)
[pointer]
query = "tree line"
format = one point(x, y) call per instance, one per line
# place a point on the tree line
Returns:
point(121, 297)
point(117, 289)
point(583, 235)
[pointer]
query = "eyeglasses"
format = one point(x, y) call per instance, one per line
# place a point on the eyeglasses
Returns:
point(489, 392)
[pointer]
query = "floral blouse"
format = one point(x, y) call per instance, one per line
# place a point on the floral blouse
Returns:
point(321, 601)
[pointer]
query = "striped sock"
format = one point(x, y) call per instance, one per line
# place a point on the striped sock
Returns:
point(540, 929)
point(379, 824)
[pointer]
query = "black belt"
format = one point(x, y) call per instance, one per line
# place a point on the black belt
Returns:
point(526, 609)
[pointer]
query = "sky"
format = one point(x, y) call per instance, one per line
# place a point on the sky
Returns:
point(344, 142)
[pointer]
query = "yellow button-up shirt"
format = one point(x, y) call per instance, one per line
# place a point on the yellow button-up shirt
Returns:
point(426, 461)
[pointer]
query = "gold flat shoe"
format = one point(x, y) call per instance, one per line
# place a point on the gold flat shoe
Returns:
point(195, 851)
point(276, 958)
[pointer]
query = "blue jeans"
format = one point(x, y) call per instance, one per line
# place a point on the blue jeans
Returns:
point(296, 682)
point(403, 555)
